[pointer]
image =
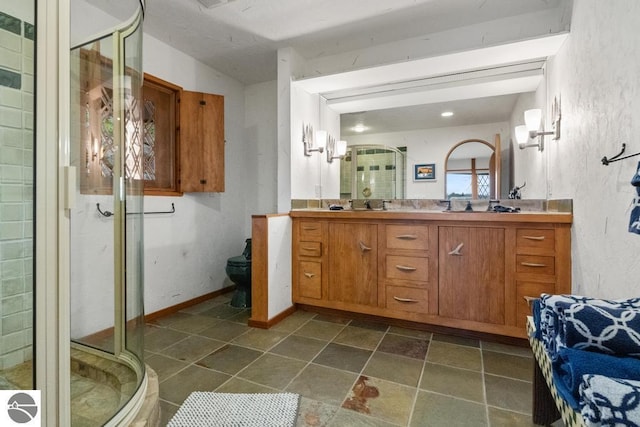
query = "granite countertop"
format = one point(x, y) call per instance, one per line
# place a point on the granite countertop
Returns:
point(556, 211)
point(417, 214)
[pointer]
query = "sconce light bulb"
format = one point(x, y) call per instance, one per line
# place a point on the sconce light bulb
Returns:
point(341, 148)
point(521, 135)
point(532, 119)
point(321, 140)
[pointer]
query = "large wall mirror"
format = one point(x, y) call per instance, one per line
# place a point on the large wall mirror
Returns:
point(403, 105)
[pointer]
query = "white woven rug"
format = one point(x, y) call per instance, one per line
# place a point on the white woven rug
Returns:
point(207, 409)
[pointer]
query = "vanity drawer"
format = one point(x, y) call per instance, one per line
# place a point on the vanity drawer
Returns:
point(310, 279)
point(529, 289)
point(535, 239)
point(407, 268)
point(414, 237)
point(310, 249)
point(536, 264)
point(310, 231)
point(407, 299)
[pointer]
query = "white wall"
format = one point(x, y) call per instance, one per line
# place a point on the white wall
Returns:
point(261, 138)
point(186, 253)
point(279, 265)
point(597, 75)
point(312, 177)
point(431, 146)
point(529, 164)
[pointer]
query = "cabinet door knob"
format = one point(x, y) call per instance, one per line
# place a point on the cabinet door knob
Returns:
point(405, 268)
point(407, 237)
point(364, 247)
point(456, 251)
point(309, 275)
point(532, 264)
point(533, 237)
point(405, 299)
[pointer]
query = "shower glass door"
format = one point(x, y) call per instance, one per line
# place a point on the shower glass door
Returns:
point(17, 76)
point(372, 172)
point(106, 240)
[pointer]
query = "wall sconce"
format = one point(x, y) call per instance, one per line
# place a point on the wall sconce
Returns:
point(336, 149)
point(312, 144)
point(531, 128)
point(522, 136)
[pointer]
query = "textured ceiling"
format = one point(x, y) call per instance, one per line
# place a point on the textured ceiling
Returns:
point(240, 38)
point(466, 112)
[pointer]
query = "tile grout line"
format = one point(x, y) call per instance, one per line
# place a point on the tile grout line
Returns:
point(484, 385)
point(424, 365)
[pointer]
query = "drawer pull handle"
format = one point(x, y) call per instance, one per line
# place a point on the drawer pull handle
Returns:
point(405, 268)
point(456, 251)
point(407, 237)
point(309, 228)
point(532, 264)
point(307, 248)
point(364, 247)
point(405, 299)
point(310, 275)
point(540, 238)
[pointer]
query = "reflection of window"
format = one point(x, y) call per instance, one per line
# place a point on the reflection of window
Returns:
point(468, 184)
point(470, 171)
point(160, 118)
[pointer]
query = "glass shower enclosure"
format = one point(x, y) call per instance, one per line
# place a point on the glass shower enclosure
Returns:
point(373, 172)
point(106, 221)
point(102, 295)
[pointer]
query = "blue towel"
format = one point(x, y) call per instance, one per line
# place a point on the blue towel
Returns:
point(552, 311)
point(609, 401)
point(602, 329)
point(572, 364)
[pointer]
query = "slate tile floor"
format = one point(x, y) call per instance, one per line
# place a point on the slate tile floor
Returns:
point(348, 372)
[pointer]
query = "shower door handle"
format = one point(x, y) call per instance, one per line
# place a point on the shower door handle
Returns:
point(69, 187)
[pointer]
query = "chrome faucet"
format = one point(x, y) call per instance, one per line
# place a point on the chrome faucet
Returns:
point(367, 204)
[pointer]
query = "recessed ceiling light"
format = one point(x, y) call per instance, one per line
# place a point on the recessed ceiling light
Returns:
point(447, 114)
point(360, 127)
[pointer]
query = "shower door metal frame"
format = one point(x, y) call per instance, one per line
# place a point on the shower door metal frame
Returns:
point(53, 199)
point(52, 204)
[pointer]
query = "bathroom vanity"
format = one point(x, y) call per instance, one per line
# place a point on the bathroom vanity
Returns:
point(470, 271)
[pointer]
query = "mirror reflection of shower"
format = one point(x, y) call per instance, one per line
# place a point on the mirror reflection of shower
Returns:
point(373, 172)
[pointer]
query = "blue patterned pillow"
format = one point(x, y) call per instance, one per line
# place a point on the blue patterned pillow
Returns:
point(607, 401)
point(602, 329)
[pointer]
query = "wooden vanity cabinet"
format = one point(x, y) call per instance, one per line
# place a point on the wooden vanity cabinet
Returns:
point(309, 249)
point(541, 265)
point(471, 285)
point(353, 263)
point(201, 142)
point(409, 269)
point(471, 274)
